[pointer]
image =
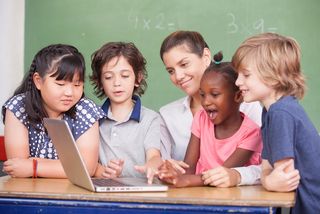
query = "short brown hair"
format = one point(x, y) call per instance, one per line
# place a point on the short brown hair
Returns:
point(192, 39)
point(116, 49)
point(278, 62)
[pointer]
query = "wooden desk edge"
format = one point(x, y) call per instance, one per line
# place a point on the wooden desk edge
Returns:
point(169, 197)
point(121, 198)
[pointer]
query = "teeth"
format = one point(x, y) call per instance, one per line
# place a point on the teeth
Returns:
point(212, 114)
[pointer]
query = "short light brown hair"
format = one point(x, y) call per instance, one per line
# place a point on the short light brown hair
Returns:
point(278, 62)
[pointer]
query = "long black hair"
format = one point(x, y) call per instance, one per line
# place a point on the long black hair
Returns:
point(60, 61)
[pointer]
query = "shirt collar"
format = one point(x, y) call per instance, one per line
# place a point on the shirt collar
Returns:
point(186, 102)
point(135, 114)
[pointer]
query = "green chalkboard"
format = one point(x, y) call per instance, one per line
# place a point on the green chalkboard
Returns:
point(88, 24)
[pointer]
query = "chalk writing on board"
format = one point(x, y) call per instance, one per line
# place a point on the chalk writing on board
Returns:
point(249, 28)
point(157, 22)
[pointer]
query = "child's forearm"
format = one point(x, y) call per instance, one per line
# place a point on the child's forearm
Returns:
point(266, 169)
point(264, 175)
point(154, 159)
point(50, 168)
point(282, 178)
point(99, 171)
point(189, 181)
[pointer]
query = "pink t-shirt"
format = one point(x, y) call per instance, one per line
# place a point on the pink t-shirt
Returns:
point(214, 152)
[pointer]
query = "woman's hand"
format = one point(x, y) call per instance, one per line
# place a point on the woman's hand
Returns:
point(168, 173)
point(221, 177)
point(180, 166)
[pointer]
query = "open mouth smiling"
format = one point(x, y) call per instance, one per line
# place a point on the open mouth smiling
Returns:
point(212, 113)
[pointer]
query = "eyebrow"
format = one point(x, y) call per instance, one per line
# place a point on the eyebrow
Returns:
point(179, 62)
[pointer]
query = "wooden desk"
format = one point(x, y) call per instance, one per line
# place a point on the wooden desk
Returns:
point(56, 195)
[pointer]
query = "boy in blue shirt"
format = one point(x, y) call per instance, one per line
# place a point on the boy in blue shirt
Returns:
point(269, 71)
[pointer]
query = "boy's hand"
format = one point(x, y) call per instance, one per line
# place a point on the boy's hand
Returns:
point(221, 177)
point(113, 169)
point(283, 180)
point(150, 168)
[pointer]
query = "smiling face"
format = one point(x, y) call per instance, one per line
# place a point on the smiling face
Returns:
point(118, 80)
point(186, 68)
point(218, 97)
point(252, 87)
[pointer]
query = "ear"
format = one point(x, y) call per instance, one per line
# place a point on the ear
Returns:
point(37, 80)
point(138, 80)
point(238, 97)
point(206, 56)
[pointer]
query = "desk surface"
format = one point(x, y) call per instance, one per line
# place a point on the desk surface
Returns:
point(63, 189)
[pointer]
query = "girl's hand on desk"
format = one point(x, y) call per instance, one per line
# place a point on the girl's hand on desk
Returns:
point(18, 167)
point(113, 169)
point(221, 177)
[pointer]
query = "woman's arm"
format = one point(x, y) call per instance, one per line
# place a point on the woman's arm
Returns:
point(166, 140)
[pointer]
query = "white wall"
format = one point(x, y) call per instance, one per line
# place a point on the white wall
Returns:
point(12, 16)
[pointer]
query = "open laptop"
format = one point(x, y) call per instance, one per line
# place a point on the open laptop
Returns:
point(76, 171)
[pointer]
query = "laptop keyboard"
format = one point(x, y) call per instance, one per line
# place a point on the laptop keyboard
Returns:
point(108, 182)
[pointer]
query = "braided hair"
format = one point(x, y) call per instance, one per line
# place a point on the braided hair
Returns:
point(57, 60)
